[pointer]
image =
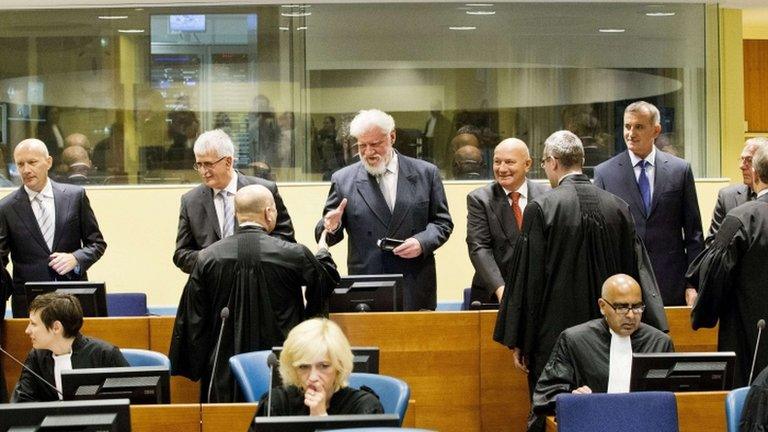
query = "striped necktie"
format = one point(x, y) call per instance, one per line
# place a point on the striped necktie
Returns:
point(45, 221)
point(228, 226)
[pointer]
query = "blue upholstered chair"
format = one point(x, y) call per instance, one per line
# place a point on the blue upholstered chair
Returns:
point(140, 357)
point(127, 304)
point(734, 405)
point(393, 393)
point(626, 412)
point(252, 373)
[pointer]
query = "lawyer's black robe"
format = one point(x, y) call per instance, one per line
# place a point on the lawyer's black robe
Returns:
point(733, 287)
point(754, 417)
point(259, 278)
point(289, 401)
point(581, 357)
point(573, 239)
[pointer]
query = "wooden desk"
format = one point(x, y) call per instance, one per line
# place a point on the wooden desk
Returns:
point(166, 418)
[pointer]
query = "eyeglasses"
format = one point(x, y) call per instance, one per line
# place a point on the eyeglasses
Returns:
point(623, 309)
point(545, 159)
point(197, 166)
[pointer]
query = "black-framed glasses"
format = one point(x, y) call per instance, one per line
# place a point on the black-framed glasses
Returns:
point(197, 166)
point(623, 308)
point(545, 159)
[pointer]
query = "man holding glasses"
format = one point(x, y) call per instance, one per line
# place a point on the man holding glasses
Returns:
point(208, 211)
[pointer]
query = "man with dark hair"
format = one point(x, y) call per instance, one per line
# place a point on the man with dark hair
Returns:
point(730, 272)
point(57, 345)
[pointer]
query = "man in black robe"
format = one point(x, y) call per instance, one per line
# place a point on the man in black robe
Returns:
point(574, 238)
point(259, 279)
point(754, 417)
point(730, 273)
point(597, 356)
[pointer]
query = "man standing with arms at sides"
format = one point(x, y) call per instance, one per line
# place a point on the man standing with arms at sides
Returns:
point(207, 211)
point(730, 272)
point(574, 237)
point(495, 218)
point(388, 195)
point(661, 193)
point(735, 195)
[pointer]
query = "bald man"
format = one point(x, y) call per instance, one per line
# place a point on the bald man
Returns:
point(259, 278)
point(597, 356)
point(78, 165)
point(495, 217)
point(48, 228)
point(468, 163)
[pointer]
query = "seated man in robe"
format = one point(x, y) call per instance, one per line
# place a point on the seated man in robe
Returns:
point(54, 327)
point(596, 356)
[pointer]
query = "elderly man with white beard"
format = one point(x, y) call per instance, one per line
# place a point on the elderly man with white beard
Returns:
point(388, 195)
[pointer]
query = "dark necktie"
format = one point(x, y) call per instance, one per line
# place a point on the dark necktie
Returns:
point(515, 197)
point(645, 187)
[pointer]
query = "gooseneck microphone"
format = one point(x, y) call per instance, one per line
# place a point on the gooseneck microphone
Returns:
point(272, 362)
point(760, 327)
point(224, 315)
point(34, 374)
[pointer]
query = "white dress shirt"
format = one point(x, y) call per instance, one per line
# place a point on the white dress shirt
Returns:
point(219, 204)
point(523, 190)
point(650, 168)
point(46, 199)
point(390, 178)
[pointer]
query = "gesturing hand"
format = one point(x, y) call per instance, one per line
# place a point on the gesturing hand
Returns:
point(332, 219)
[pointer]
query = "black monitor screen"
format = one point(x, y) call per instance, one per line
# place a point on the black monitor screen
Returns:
point(88, 416)
point(142, 385)
point(312, 424)
point(92, 295)
point(681, 372)
point(368, 293)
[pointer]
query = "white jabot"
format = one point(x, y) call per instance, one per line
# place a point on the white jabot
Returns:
point(218, 203)
point(61, 363)
point(620, 363)
point(650, 166)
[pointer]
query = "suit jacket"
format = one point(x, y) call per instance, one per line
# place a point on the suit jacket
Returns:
point(199, 225)
point(727, 199)
point(491, 235)
point(672, 231)
point(75, 231)
point(420, 211)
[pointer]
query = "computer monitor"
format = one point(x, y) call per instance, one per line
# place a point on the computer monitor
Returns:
point(142, 384)
point(364, 359)
point(312, 424)
point(92, 295)
point(682, 372)
point(368, 293)
point(87, 416)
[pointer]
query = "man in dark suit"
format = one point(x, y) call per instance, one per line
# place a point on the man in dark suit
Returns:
point(387, 194)
point(733, 196)
point(661, 193)
point(495, 217)
point(48, 228)
point(207, 211)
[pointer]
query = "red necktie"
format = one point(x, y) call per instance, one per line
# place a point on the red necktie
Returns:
point(515, 197)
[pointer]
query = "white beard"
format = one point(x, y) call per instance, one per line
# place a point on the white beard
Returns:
point(377, 170)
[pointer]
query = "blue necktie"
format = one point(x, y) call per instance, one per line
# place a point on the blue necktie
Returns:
point(645, 187)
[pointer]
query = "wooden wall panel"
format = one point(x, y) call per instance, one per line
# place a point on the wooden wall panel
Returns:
point(756, 84)
point(683, 336)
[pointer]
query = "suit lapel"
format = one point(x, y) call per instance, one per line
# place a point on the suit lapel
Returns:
point(406, 189)
point(206, 195)
point(371, 194)
point(23, 209)
point(629, 182)
point(660, 178)
point(62, 205)
point(503, 211)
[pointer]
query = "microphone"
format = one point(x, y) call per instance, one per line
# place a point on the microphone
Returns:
point(475, 305)
point(224, 315)
point(34, 374)
point(760, 327)
point(272, 361)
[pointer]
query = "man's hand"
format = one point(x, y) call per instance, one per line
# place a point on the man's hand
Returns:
point(500, 293)
point(411, 248)
point(520, 361)
point(582, 390)
point(690, 296)
point(62, 263)
point(332, 219)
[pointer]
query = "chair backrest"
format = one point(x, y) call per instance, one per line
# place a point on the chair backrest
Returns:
point(141, 357)
point(393, 393)
point(626, 412)
point(127, 304)
point(252, 373)
point(734, 405)
point(466, 299)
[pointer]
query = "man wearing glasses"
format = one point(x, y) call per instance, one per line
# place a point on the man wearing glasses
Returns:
point(596, 356)
point(207, 211)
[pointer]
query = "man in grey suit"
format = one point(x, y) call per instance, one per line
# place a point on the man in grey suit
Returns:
point(495, 217)
point(207, 211)
point(661, 194)
point(48, 228)
point(733, 196)
point(387, 194)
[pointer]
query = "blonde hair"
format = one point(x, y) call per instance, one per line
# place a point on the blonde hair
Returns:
point(311, 340)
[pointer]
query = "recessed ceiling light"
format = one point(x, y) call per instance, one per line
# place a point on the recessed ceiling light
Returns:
point(481, 12)
point(660, 14)
point(284, 28)
point(479, 4)
point(130, 31)
point(462, 28)
point(611, 30)
point(113, 17)
point(295, 14)
point(301, 28)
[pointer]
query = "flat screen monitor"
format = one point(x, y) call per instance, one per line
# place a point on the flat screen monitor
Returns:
point(682, 372)
point(364, 359)
point(92, 295)
point(312, 424)
point(368, 293)
point(142, 384)
point(88, 416)
point(186, 23)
